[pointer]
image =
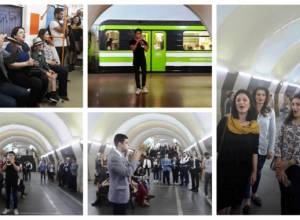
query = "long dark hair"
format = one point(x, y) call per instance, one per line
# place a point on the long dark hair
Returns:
point(265, 108)
point(291, 116)
point(251, 114)
point(41, 33)
point(79, 20)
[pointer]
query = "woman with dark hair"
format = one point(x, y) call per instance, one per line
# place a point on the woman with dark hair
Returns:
point(287, 160)
point(266, 120)
point(22, 69)
point(75, 38)
point(237, 147)
point(53, 61)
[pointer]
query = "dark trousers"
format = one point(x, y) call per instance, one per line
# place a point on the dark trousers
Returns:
point(155, 174)
point(166, 177)
point(147, 171)
point(12, 95)
point(62, 77)
point(260, 164)
point(195, 178)
point(207, 182)
point(137, 68)
point(38, 86)
point(43, 175)
point(175, 175)
point(119, 209)
point(29, 175)
point(290, 196)
point(73, 183)
point(11, 188)
point(59, 51)
point(184, 176)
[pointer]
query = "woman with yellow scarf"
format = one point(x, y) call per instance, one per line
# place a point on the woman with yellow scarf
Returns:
point(237, 146)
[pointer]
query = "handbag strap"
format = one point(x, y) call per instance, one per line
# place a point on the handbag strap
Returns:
point(223, 135)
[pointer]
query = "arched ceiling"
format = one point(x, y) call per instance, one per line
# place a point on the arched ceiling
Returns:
point(187, 128)
point(46, 131)
point(203, 12)
point(263, 40)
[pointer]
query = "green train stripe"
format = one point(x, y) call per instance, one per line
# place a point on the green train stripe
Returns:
point(169, 59)
point(151, 27)
point(167, 51)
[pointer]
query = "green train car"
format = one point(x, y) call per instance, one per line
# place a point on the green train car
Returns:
point(174, 46)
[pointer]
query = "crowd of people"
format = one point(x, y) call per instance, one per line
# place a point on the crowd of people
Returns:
point(14, 174)
point(66, 172)
point(36, 74)
point(163, 162)
point(247, 136)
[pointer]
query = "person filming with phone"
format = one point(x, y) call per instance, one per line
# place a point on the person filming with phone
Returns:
point(11, 169)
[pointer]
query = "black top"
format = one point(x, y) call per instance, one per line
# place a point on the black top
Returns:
point(139, 52)
point(11, 174)
point(18, 55)
point(234, 164)
point(77, 34)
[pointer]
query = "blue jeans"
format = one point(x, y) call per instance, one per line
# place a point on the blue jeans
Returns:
point(12, 95)
point(260, 164)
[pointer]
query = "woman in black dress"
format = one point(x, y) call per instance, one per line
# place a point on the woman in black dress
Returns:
point(237, 145)
point(287, 160)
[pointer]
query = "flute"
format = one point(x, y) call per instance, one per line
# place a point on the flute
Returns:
point(12, 40)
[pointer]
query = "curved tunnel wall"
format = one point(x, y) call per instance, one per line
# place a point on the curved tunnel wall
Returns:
point(272, 36)
point(46, 131)
point(142, 126)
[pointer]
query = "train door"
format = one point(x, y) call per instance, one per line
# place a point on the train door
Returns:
point(158, 51)
point(147, 36)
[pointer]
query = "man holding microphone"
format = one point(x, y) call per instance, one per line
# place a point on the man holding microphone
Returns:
point(139, 47)
point(120, 170)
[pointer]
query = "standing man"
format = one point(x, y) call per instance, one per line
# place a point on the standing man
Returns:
point(207, 173)
point(120, 170)
point(166, 167)
point(74, 171)
point(11, 169)
point(29, 169)
point(195, 171)
point(56, 28)
point(147, 165)
point(43, 169)
point(139, 47)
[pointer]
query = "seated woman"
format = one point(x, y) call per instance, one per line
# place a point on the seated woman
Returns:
point(102, 192)
point(21, 69)
point(37, 53)
point(53, 61)
point(10, 95)
point(141, 192)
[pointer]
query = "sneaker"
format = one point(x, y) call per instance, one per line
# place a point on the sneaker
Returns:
point(145, 90)
point(16, 212)
point(5, 212)
point(138, 91)
point(53, 97)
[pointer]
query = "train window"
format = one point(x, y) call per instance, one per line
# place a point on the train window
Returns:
point(112, 41)
point(196, 40)
point(158, 41)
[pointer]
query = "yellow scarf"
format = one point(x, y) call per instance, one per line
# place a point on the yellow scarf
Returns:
point(235, 126)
